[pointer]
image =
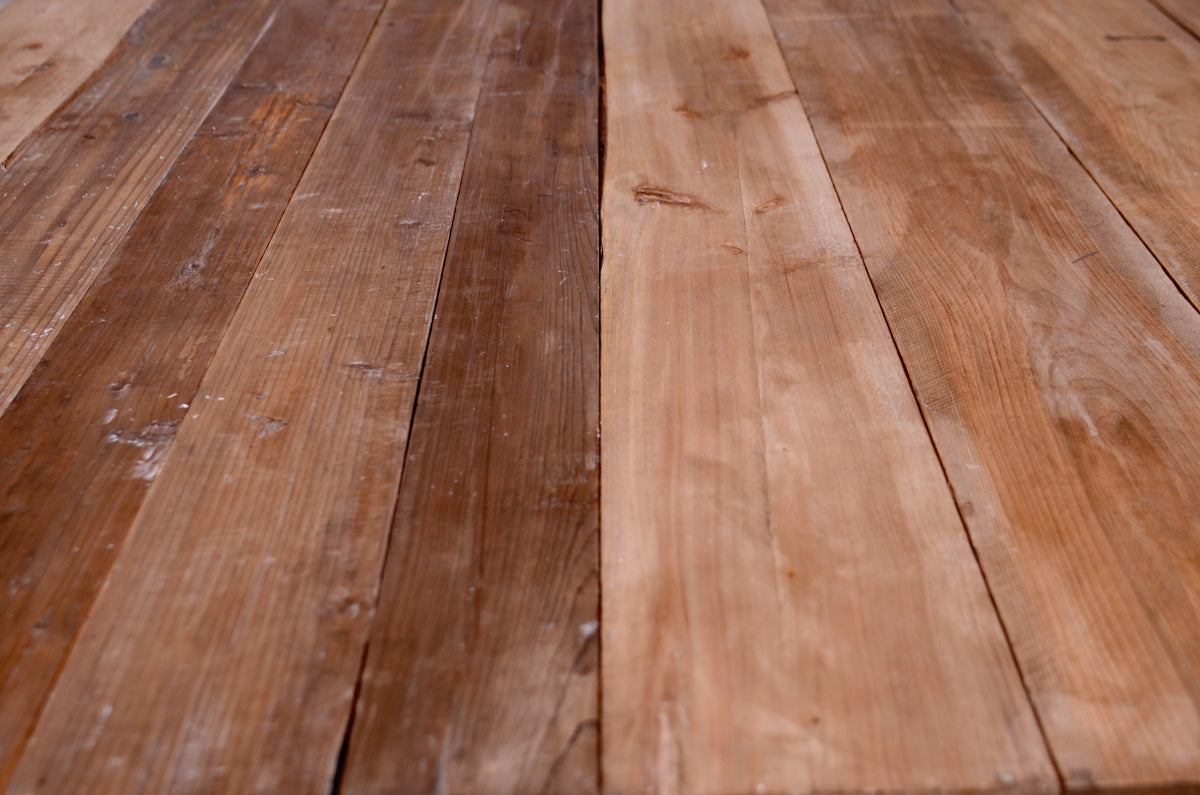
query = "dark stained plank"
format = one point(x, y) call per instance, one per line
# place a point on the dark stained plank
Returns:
point(1056, 364)
point(84, 438)
point(75, 185)
point(48, 48)
point(481, 674)
point(1120, 82)
point(790, 602)
point(223, 651)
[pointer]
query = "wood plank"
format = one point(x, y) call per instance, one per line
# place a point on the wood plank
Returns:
point(1120, 82)
point(223, 651)
point(1057, 366)
point(73, 188)
point(1185, 13)
point(83, 440)
point(482, 669)
point(48, 48)
point(790, 602)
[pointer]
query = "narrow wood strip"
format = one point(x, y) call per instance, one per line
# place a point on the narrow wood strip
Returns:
point(1120, 82)
point(84, 438)
point(48, 48)
point(790, 602)
point(482, 669)
point(1058, 367)
point(74, 187)
point(224, 649)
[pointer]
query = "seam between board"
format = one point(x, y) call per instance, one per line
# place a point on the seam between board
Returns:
point(335, 786)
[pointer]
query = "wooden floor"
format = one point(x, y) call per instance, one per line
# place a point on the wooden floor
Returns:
point(311, 312)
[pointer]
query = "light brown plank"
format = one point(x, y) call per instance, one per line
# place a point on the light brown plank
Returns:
point(223, 652)
point(482, 670)
point(1057, 366)
point(1120, 82)
point(1185, 12)
point(48, 48)
point(74, 186)
point(83, 439)
point(790, 602)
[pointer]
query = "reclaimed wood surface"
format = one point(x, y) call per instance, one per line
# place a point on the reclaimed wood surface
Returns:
point(1185, 12)
point(1120, 82)
point(899, 379)
point(75, 185)
point(1056, 364)
point(48, 48)
point(772, 505)
point(223, 651)
point(482, 671)
point(87, 434)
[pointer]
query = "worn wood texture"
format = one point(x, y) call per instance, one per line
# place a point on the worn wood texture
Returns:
point(222, 653)
point(75, 185)
point(1185, 12)
point(86, 435)
point(790, 600)
point(1056, 364)
point(48, 48)
point(482, 670)
point(1120, 82)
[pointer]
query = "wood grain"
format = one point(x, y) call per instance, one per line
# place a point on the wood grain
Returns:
point(48, 48)
point(86, 435)
point(75, 185)
point(790, 602)
point(1057, 366)
point(482, 669)
point(1120, 82)
point(223, 652)
point(1186, 13)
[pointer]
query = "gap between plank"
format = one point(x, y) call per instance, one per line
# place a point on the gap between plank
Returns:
point(339, 773)
point(1075, 155)
point(602, 148)
point(1058, 774)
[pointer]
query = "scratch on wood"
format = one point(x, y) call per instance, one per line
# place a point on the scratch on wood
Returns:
point(1085, 256)
point(1135, 37)
point(654, 194)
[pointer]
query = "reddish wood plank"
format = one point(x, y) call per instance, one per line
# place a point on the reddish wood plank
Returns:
point(1120, 82)
point(482, 669)
point(223, 651)
point(48, 48)
point(85, 436)
point(73, 188)
point(1057, 365)
point(1184, 12)
point(790, 601)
